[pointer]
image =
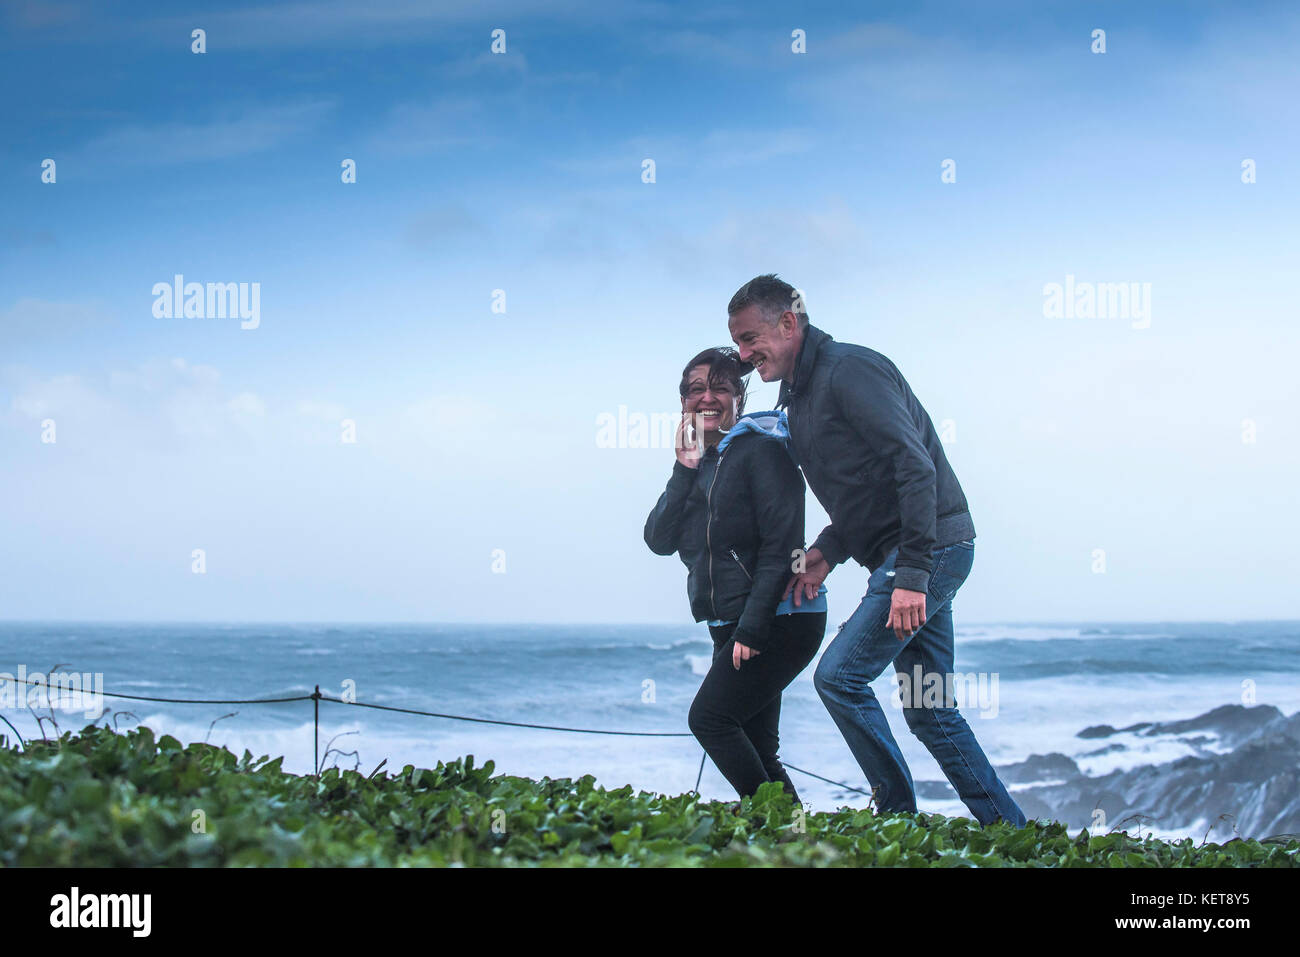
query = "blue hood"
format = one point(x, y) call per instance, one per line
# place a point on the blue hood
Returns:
point(773, 425)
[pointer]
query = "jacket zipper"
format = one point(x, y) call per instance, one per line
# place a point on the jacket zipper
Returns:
point(732, 551)
point(708, 527)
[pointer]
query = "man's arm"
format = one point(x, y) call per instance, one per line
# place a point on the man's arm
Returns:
point(830, 546)
point(871, 400)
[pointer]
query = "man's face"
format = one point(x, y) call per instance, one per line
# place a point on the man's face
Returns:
point(772, 349)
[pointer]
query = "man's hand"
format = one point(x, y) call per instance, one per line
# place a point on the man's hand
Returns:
point(906, 612)
point(687, 443)
point(806, 583)
point(741, 653)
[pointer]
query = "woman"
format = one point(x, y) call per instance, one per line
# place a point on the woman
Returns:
point(733, 512)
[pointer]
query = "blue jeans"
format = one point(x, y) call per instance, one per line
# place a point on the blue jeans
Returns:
point(858, 655)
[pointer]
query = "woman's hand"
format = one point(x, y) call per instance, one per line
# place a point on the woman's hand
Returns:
point(741, 653)
point(687, 444)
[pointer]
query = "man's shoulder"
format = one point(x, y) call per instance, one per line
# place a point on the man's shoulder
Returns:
point(859, 359)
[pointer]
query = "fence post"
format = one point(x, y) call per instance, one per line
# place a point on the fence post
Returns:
point(315, 729)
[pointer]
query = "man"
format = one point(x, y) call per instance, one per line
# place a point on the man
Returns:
point(870, 454)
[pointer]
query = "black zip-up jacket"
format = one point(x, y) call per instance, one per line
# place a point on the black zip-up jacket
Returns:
point(735, 522)
point(873, 459)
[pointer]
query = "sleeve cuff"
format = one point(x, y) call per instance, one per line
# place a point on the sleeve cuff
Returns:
point(913, 579)
point(757, 644)
point(830, 549)
point(681, 473)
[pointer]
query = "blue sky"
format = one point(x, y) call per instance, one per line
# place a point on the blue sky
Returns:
point(476, 430)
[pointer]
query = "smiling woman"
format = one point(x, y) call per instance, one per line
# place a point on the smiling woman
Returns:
point(736, 527)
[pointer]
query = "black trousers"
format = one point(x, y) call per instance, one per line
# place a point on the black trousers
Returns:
point(736, 712)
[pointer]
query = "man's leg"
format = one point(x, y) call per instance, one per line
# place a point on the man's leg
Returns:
point(856, 657)
point(942, 729)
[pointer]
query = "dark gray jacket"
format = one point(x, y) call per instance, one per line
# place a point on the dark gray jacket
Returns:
point(873, 459)
point(735, 522)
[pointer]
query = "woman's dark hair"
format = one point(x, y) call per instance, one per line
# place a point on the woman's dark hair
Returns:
point(724, 367)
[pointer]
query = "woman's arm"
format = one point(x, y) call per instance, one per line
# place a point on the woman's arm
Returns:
point(665, 521)
point(777, 493)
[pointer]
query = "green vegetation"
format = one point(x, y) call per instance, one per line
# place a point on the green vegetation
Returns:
point(102, 798)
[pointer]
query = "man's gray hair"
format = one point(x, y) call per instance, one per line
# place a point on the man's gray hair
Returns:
point(772, 295)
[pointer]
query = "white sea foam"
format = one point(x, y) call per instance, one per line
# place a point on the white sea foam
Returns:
point(1015, 632)
point(681, 643)
point(700, 664)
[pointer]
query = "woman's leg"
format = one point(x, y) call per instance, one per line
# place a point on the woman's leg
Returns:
point(798, 631)
point(763, 733)
point(729, 699)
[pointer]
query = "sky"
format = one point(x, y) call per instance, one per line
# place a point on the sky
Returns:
point(408, 430)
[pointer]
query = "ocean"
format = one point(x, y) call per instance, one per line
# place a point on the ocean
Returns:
point(1042, 685)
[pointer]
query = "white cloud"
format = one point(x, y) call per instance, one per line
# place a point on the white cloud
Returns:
point(151, 403)
point(235, 134)
point(247, 404)
point(55, 397)
point(719, 149)
point(320, 410)
point(197, 375)
point(431, 126)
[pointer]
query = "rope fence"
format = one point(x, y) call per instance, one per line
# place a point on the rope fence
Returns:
point(316, 697)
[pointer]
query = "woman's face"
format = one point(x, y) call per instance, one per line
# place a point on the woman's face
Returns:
point(714, 406)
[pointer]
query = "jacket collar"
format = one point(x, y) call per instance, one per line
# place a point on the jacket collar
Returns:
point(813, 340)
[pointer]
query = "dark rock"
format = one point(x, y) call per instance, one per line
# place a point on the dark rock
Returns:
point(1108, 749)
point(1039, 767)
point(1233, 723)
point(1096, 731)
point(1254, 787)
point(935, 791)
